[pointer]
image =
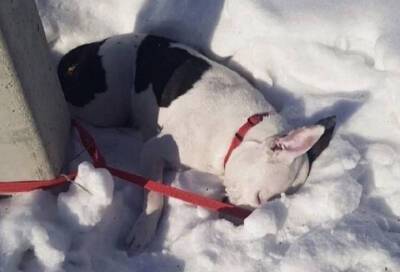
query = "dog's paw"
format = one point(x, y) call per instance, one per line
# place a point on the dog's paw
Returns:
point(142, 233)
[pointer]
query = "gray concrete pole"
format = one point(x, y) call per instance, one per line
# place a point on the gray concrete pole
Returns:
point(34, 119)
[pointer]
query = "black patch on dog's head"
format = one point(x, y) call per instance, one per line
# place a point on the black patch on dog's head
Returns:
point(329, 124)
point(81, 74)
point(170, 71)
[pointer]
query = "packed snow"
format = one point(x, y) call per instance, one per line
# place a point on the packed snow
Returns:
point(311, 59)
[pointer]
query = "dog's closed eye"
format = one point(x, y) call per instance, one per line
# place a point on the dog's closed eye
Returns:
point(259, 199)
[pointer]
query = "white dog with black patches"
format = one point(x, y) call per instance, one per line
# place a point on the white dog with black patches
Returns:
point(190, 109)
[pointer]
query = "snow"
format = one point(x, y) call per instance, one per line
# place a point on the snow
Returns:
point(262, 221)
point(83, 205)
point(29, 223)
point(311, 59)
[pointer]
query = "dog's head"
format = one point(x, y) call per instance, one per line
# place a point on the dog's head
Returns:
point(258, 171)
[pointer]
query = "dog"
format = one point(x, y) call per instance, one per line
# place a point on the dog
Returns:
point(192, 112)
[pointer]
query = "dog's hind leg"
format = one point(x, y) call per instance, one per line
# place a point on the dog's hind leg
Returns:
point(157, 153)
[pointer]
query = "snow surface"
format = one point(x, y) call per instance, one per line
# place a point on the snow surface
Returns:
point(311, 58)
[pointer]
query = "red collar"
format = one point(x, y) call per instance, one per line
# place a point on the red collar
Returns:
point(239, 135)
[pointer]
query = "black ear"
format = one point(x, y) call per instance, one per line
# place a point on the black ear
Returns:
point(81, 74)
point(323, 142)
point(329, 124)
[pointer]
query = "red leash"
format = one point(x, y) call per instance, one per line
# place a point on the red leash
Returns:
point(98, 161)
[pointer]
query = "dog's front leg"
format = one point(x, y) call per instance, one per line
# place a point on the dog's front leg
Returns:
point(152, 166)
point(146, 225)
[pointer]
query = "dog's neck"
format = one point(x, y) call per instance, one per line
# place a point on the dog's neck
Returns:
point(271, 125)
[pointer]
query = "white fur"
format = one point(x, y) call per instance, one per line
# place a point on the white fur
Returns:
point(197, 129)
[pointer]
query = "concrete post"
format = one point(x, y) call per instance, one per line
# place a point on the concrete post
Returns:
point(34, 120)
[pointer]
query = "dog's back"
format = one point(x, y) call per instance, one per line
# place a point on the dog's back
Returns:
point(148, 78)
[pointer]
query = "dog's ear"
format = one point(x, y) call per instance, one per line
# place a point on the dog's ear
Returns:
point(329, 124)
point(297, 142)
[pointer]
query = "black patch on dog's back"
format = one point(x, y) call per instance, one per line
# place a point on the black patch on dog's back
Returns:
point(81, 74)
point(170, 71)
